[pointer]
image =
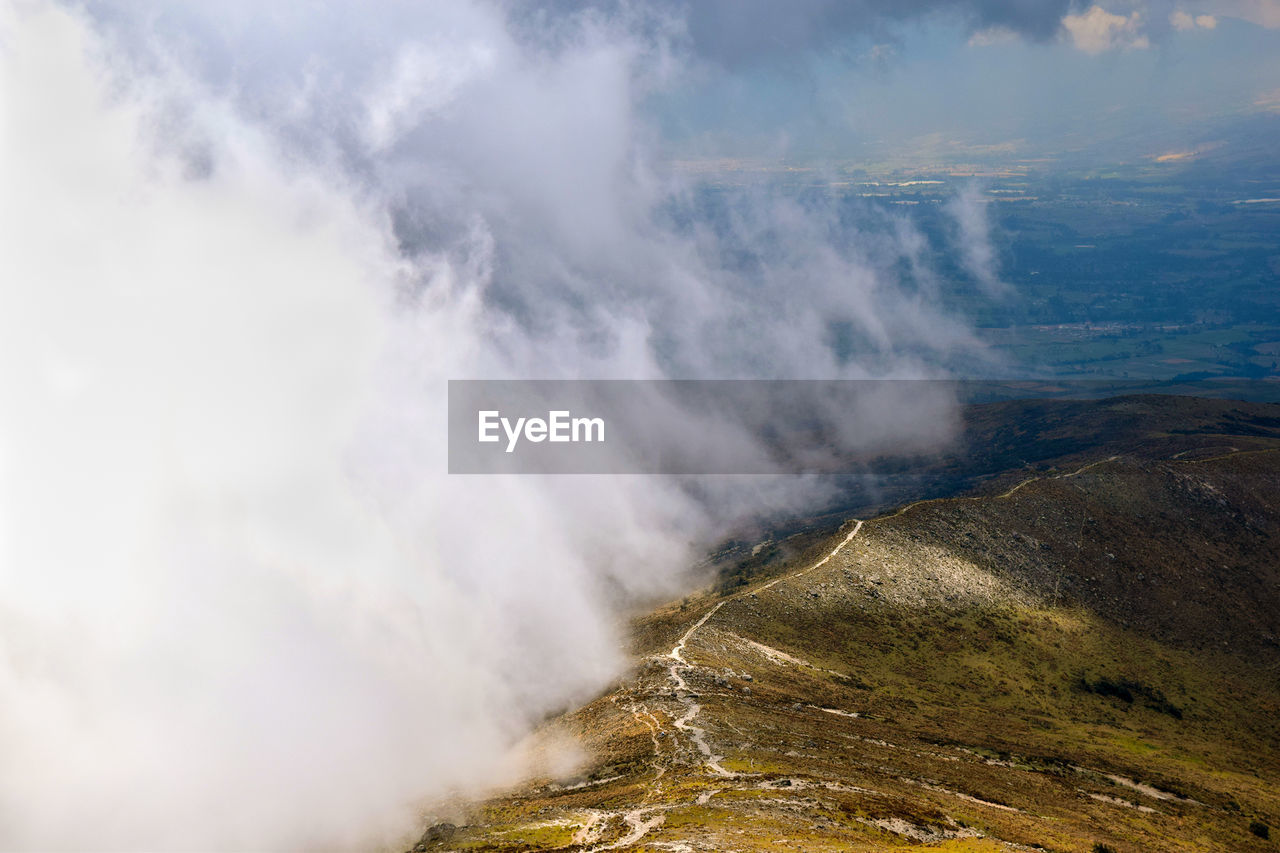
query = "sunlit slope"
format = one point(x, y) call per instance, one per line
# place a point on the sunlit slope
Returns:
point(1088, 657)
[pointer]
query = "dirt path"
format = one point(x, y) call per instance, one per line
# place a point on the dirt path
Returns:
point(1003, 495)
point(692, 709)
point(674, 654)
point(1235, 451)
point(645, 818)
point(640, 827)
point(684, 723)
point(817, 565)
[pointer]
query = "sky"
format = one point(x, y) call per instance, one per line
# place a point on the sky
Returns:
point(1164, 73)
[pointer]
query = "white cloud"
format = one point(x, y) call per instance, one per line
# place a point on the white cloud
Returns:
point(241, 604)
point(1185, 21)
point(972, 240)
point(993, 35)
point(1264, 13)
point(1098, 30)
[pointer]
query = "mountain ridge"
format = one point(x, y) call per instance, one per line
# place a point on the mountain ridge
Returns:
point(1085, 657)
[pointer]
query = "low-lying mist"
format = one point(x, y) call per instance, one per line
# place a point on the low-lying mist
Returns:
point(244, 246)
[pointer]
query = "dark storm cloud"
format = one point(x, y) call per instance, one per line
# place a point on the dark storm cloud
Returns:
point(740, 32)
point(737, 32)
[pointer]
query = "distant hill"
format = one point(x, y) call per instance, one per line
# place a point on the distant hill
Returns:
point(1084, 656)
point(1003, 442)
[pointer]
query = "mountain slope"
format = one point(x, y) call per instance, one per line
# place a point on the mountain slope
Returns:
point(1087, 657)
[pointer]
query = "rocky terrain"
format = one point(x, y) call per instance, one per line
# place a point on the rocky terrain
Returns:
point(1083, 657)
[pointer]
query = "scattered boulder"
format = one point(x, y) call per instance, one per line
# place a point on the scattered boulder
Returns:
point(435, 834)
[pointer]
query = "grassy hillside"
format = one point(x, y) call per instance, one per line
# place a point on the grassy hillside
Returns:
point(1003, 443)
point(1082, 659)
